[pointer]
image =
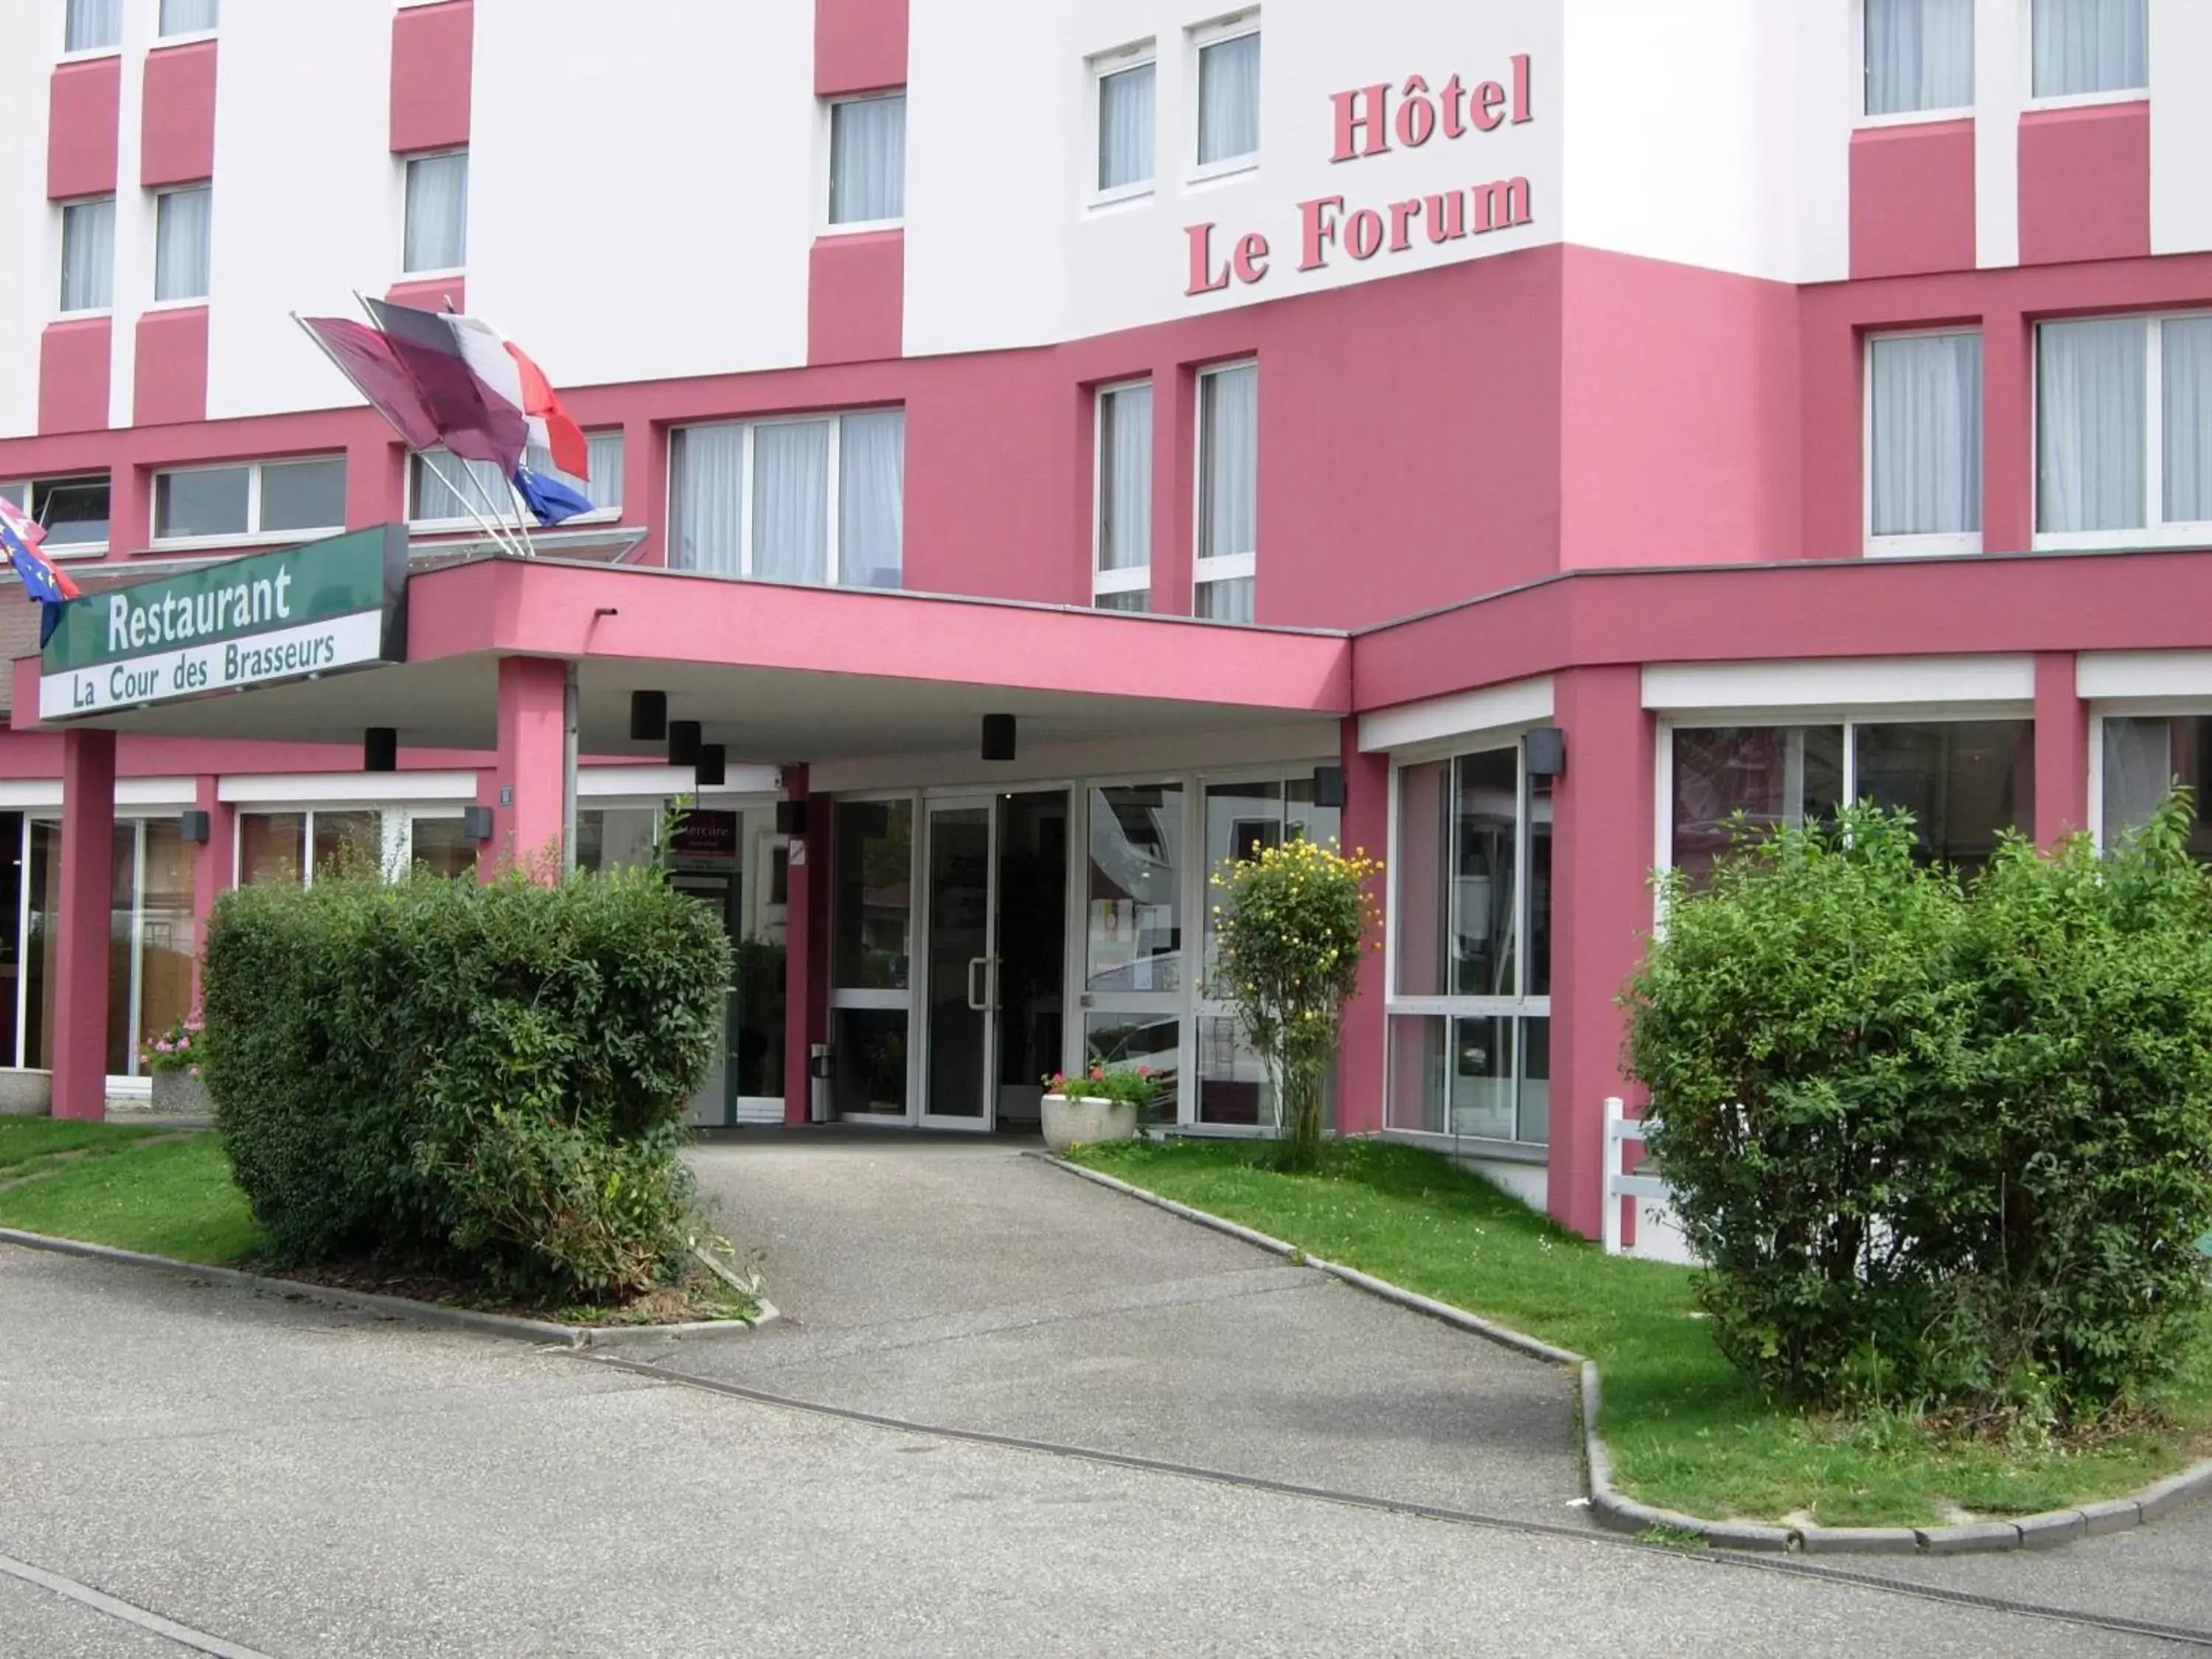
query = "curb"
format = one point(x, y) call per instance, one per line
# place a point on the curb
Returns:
point(1618, 1513)
point(511, 1326)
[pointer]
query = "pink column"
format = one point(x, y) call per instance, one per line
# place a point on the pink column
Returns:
point(1174, 474)
point(527, 803)
point(2062, 750)
point(87, 855)
point(1600, 909)
point(2008, 433)
point(1366, 822)
point(212, 866)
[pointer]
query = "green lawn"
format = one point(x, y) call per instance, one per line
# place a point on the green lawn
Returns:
point(1685, 1431)
point(171, 1197)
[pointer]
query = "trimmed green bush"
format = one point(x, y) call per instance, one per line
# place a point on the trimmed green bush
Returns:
point(1939, 1144)
point(489, 1079)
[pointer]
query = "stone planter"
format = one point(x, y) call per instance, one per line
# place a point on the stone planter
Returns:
point(179, 1094)
point(1067, 1122)
point(26, 1093)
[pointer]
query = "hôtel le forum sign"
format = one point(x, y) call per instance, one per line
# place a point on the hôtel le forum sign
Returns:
point(230, 624)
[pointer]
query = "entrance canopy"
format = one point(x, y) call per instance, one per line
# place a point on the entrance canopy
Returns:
point(774, 673)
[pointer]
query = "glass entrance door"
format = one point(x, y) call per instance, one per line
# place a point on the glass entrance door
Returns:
point(960, 986)
point(711, 1105)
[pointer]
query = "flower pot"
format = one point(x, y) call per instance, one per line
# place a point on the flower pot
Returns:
point(1068, 1122)
point(180, 1094)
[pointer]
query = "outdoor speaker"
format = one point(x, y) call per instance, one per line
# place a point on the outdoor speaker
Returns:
point(791, 817)
point(476, 822)
point(1546, 748)
point(380, 749)
point(648, 716)
point(1329, 786)
point(684, 743)
point(193, 827)
point(712, 767)
point(997, 737)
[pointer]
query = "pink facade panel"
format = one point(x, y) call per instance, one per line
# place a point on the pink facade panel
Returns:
point(1680, 392)
point(176, 134)
point(1912, 199)
point(432, 49)
point(73, 369)
point(856, 297)
point(2085, 184)
point(432, 293)
point(84, 116)
point(860, 45)
point(170, 369)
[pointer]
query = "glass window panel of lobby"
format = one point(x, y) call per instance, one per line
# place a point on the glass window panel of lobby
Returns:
point(1919, 56)
point(1924, 443)
point(1121, 578)
point(1229, 492)
point(2086, 46)
point(1731, 779)
point(2144, 757)
point(867, 161)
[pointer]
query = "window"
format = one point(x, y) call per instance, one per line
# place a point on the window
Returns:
point(819, 501)
point(2123, 430)
point(867, 161)
point(1125, 126)
point(188, 16)
point(74, 511)
point(290, 849)
point(437, 236)
point(1964, 782)
point(1228, 491)
point(88, 255)
point(1471, 966)
point(1919, 55)
point(1228, 100)
point(442, 489)
point(93, 26)
point(1924, 443)
point(183, 222)
point(263, 498)
point(2085, 46)
point(1121, 578)
point(2146, 756)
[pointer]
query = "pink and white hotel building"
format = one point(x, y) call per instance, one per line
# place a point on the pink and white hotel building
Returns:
point(1512, 433)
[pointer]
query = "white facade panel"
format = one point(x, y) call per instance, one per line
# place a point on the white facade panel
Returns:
point(1713, 132)
point(2001, 88)
point(30, 283)
point(1493, 708)
point(2180, 126)
point(1839, 683)
point(308, 197)
point(134, 219)
point(1028, 258)
point(642, 189)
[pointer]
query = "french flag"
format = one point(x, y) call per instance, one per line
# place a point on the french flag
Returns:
point(487, 396)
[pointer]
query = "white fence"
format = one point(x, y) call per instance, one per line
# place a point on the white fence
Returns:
point(1619, 1130)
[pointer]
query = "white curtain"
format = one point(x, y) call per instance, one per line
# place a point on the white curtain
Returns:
point(1226, 601)
point(1124, 451)
point(707, 465)
point(1228, 99)
point(1927, 395)
point(188, 16)
point(867, 159)
point(1919, 55)
point(1124, 127)
point(791, 501)
point(2091, 45)
point(1229, 435)
point(88, 256)
point(2138, 770)
point(2187, 411)
point(603, 488)
point(458, 489)
point(871, 498)
point(184, 224)
point(437, 212)
point(93, 24)
point(2090, 403)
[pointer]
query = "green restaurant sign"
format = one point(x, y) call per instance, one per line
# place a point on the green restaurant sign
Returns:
point(229, 624)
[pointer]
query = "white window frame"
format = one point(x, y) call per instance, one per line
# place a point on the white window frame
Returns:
point(2155, 531)
point(183, 37)
point(61, 248)
point(1222, 567)
point(1102, 66)
point(160, 196)
point(1137, 578)
point(463, 523)
point(253, 536)
point(84, 54)
point(18, 491)
point(1907, 547)
point(386, 812)
point(830, 227)
point(834, 562)
point(1862, 26)
point(431, 273)
point(1196, 41)
point(2026, 36)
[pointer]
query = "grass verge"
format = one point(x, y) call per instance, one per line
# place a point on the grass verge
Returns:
point(174, 1197)
point(30, 1144)
point(1686, 1430)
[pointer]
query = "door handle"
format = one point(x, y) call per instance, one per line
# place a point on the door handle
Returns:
point(978, 1001)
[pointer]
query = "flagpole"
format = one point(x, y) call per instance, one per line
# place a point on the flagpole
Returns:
point(498, 536)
